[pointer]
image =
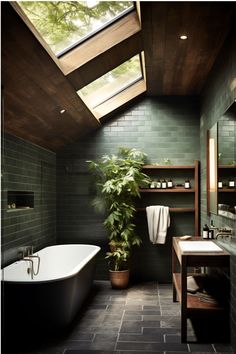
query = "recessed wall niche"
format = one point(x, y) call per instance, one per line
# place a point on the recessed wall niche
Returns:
point(20, 200)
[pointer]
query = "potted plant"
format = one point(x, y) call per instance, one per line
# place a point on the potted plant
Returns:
point(118, 178)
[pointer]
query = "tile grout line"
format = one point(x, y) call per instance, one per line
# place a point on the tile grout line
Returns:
point(214, 348)
point(121, 322)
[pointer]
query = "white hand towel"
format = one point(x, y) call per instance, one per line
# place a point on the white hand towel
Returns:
point(158, 219)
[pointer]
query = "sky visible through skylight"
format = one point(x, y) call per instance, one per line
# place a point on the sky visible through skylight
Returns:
point(63, 24)
point(112, 82)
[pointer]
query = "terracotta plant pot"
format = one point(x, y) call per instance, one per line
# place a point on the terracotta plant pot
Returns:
point(119, 278)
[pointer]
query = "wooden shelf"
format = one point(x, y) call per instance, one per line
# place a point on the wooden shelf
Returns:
point(174, 210)
point(226, 190)
point(176, 170)
point(12, 210)
point(194, 303)
point(167, 190)
point(227, 166)
point(168, 167)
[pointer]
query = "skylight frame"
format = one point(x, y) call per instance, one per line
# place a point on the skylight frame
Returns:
point(68, 49)
point(119, 90)
point(100, 29)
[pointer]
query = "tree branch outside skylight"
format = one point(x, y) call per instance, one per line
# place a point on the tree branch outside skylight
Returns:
point(64, 24)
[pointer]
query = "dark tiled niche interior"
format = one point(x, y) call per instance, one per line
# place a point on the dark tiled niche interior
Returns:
point(141, 319)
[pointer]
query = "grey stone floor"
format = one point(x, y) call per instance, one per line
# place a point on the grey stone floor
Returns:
point(141, 319)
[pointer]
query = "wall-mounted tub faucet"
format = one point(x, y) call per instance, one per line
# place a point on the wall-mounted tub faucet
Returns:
point(26, 253)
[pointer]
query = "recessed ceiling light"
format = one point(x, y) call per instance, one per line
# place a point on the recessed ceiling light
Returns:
point(62, 111)
point(183, 37)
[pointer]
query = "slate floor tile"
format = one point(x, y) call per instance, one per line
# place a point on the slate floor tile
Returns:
point(131, 327)
point(101, 337)
point(132, 317)
point(100, 345)
point(151, 346)
point(172, 338)
point(116, 317)
point(141, 319)
point(138, 352)
point(81, 336)
point(223, 348)
point(123, 337)
point(142, 312)
point(171, 322)
point(79, 351)
point(162, 330)
point(152, 317)
point(198, 347)
point(151, 308)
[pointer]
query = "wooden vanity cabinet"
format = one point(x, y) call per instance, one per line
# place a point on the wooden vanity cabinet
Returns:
point(192, 305)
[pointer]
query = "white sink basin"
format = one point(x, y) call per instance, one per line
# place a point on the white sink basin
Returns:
point(199, 246)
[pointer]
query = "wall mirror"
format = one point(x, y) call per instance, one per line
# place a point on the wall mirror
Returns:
point(221, 163)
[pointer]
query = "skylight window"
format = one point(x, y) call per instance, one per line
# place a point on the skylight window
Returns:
point(65, 24)
point(112, 82)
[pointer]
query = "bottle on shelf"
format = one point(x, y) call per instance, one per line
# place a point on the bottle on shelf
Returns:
point(231, 183)
point(153, 184)
point(212, 230)
point(205, 232)
point(187, 184)
point(220, 184)
point(170, 183)
point(164, 184)
point(158, 184)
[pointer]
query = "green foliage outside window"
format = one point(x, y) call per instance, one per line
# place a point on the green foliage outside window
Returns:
point(64, 23)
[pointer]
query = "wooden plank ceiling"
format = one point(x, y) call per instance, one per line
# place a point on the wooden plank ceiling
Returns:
point(35, 90)
point(181, 67)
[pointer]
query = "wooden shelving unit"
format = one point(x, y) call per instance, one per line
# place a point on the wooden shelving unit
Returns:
point(166, 190)
point(192, 305)
point(174, 210)
point(194, 170)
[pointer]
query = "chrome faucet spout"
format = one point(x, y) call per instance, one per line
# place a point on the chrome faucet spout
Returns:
point(225, 233)
point(38, 258)
point(30, 270)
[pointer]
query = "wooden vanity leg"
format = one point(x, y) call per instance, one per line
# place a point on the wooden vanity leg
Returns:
point(174, 262)
point(183, 300)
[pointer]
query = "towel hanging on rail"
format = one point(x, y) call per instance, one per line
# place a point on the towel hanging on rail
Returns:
point(158, 218)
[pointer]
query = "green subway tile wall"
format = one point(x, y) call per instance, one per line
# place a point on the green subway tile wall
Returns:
point(27, 167)
point(161, 127)
point(218, 95)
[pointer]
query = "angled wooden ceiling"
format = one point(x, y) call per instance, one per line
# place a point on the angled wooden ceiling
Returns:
point(35, 89)
point(181, 67)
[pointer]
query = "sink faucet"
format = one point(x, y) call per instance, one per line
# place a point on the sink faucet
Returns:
point(224, 233)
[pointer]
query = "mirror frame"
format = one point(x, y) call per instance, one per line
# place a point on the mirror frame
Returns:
point(212, 170)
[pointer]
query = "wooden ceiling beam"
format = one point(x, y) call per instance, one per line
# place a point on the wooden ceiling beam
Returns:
point(106, 61)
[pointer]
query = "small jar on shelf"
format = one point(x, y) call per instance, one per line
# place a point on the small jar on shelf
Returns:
point(170, 183)
point(187, 184)
point(231, 183)
point(164, 184)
